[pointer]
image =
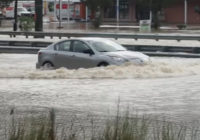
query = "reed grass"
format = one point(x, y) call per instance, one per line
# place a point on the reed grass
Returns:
point(119, 127)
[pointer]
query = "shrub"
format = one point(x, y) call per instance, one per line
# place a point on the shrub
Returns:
point(26, 23)
point(97, 22)
point(181, 26)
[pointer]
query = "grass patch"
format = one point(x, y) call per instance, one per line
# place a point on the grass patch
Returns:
point(123, 126)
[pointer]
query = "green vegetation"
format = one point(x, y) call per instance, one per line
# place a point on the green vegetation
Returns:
point(197, 9)
point(97, 21)
point(32, 128)
point(97, 7)
point(124, 126)
point(26, 23)
point(5, 3)
point(181, 26)
point(95, 4)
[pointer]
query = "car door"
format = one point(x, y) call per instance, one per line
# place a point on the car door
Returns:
point(63, 55)
point(82, 58)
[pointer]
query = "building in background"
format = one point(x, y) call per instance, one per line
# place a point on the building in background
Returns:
point(130, 11)
point(175, 13)
point(75, 9)
point(126, 11)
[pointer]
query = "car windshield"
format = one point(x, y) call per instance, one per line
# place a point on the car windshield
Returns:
point(106, 46)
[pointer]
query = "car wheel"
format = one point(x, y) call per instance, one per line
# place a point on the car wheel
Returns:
point(48, 65)
point(104, 64)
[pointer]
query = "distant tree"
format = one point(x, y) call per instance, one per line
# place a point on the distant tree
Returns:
point(197, 9)
point(97, 7)
point(5, 3)
point(156, 6)
point(95, 4)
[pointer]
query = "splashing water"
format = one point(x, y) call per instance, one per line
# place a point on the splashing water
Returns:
point(23, 66)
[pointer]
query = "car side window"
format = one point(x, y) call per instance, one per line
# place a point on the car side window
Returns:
point(63, 46)
point(80, 47)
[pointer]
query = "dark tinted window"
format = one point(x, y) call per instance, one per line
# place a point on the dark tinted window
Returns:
point(79, 46)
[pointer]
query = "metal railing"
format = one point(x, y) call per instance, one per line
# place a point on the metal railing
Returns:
point(149, 48)
point(169, 51)
point(104, 35)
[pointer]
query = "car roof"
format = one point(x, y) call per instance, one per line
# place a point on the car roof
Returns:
point(84, 39)
point(92, 39)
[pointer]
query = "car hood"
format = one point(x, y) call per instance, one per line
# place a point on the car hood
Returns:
point(128, 55)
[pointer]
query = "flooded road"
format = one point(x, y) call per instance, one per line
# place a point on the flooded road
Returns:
point(166, 87)
point(176, 98)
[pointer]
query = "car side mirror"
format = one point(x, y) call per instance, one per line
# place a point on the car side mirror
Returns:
point(88, 51)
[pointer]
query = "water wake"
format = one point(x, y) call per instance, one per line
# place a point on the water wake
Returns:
point(156, 69)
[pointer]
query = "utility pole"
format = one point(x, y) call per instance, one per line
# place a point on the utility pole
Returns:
point(185, 12)
point(60, 14)
point(38, 15)
point(86, 14)
point(15, 16)
point(117, 10)
point(150, 13)
point(55, 10)
point(55, 3)
point(68, 9)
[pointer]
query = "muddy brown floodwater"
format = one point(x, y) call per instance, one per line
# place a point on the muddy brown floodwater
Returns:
point(166, 87)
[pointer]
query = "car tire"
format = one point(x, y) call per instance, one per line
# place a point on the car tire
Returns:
point(48, 65)
point(103, 64)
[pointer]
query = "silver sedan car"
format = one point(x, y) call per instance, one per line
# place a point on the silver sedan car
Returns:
point(87, 53)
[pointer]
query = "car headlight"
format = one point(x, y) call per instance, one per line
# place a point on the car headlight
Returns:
point(137, 60)
point(140, 61)
point(118, 59)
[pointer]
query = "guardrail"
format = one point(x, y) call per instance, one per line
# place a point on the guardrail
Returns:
point(32, 47)
point(24, 43)
point(104, 35)
point(147, 48)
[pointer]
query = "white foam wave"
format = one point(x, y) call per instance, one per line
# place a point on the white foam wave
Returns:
point(156, 69)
